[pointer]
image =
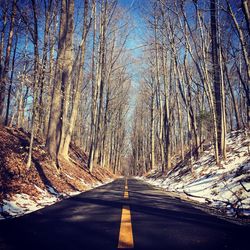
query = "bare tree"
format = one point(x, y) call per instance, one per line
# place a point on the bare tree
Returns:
point(4, 73)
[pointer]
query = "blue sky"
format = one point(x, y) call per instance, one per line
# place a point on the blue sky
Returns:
point(133, 45)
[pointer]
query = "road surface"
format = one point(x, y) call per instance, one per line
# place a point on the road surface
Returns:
point(122, 214)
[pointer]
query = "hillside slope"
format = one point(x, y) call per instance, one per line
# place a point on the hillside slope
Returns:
point(225, 187)
point(24, 190)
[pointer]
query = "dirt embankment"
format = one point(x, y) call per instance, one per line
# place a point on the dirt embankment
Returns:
point(43, 176)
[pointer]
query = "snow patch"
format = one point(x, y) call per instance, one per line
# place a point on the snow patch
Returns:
point(226, 187)
point(20, 204)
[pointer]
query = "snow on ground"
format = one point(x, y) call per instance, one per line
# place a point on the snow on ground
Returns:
point(20, 204)
point(226, 187)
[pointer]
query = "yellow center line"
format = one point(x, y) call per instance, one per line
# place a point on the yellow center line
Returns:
point(126, 189)
point(126, 194)
point(126, 234)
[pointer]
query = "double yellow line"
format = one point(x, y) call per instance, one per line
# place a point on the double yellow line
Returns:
point(126, 234)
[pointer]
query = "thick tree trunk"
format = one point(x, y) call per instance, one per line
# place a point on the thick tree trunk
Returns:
point(4, 76)
point(217, 76)
point(166, 113)
point(10, 85)
point(41, 80)
point(51, 71)
point(66, 76)
point(79, 81)
point(60, 98)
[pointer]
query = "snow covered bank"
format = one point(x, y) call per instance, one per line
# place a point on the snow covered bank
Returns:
point(20, 204)
point(225, 187)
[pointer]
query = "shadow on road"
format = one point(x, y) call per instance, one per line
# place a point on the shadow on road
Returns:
point(91, 221)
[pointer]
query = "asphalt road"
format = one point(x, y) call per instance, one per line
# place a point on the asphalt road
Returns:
point(92, 220)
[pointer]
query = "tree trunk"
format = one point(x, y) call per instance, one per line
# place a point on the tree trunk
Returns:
point(216, 76)
point(10, 85)
point(79, 80)
point(60, 96)
point(97, 89)
point(41, 80)
point(5, 72)
point(152, 128)
point(35, 85)
point(66, 77)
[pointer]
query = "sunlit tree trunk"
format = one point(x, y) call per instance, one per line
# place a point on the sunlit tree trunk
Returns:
point(60, 96)
point(41, 80)
point(79, 80)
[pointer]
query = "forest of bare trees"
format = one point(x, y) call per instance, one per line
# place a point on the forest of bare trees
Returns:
point(195, 84)
point(65, 77)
